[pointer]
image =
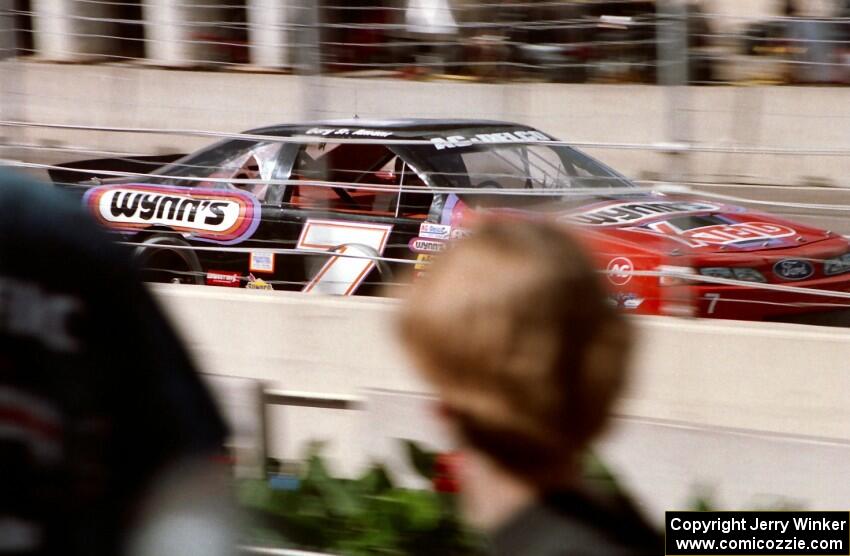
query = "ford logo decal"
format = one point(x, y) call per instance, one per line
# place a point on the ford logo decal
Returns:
point(793, 269)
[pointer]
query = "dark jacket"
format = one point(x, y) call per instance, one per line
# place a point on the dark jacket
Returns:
point(571, 523)
point(97, 395)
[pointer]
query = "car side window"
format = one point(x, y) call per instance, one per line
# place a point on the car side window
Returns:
point(415, 198)
point(362, 178)
point(258, 163)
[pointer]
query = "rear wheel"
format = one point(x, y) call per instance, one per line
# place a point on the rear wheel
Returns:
point(168, 259)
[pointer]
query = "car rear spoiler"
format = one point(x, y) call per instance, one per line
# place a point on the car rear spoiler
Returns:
point(95, 168)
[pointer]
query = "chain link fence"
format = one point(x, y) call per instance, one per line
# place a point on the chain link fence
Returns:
point(229, 65)
point(544, 40)
point(666, 92)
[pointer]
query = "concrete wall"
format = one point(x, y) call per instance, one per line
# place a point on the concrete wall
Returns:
point(809, 118)
point(771, 377)
point(751, 409)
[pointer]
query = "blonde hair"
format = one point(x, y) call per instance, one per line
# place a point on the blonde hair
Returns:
point(513, 328)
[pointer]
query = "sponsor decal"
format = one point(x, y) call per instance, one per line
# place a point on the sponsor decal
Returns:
point(515, 136)
point(631, 301)
point(422, 261)
point(434, 231)
point(361, 240)
point(261, 261)
point(460, 233)
point(628, 301)
point(630, 213)
point(215, 215)
point(793, 269)
point(342, 131)
point(725, 234)
point(425, 245)
point(255, 283)
point(619, 271)
point(225, 278)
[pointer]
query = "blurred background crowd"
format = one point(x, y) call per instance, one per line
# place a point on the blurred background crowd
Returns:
point(574, 41)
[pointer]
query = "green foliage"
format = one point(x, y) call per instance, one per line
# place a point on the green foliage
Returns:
point(367, 515)
point(702, 499)
point(598, 477)
point(421, 459)
point(370, 516)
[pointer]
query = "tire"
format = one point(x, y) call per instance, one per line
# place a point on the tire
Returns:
point(166, 259)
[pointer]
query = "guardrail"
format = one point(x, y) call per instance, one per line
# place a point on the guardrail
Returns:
point(575, 41)
point(307, 399)
point(246, 404)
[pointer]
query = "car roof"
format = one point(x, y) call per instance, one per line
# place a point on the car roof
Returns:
point(406, 127)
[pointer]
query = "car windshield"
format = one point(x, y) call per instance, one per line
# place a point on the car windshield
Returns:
point(543, 170)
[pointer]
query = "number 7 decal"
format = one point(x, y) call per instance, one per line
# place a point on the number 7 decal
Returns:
point(714, 298)
point(342, 275)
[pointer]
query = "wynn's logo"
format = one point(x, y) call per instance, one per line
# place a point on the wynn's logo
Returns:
point(221, 216)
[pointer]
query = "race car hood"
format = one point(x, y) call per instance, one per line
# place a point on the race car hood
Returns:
point(696, 226)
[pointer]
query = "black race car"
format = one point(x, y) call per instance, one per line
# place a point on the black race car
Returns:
point(254, 212)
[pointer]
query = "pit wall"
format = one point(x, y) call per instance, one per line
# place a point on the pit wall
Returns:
point(752, 411)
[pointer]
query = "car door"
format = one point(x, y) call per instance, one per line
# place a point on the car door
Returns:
point(351, 200)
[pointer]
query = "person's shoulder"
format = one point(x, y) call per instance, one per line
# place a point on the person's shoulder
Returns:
point(25, 199)
point(49, 239)
point(570, 524)
point(32, 211)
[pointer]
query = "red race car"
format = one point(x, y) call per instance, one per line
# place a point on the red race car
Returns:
point(680, 255)
point(339, 207)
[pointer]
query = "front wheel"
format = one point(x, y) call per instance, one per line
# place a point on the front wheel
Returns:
point(167, 259)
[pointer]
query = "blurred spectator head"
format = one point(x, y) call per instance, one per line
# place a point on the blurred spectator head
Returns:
point(513, 328)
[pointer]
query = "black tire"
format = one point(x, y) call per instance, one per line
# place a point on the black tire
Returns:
point(167, 259)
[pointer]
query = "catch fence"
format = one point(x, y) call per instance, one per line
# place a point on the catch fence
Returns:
point(648, 41)
point(670, 92)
